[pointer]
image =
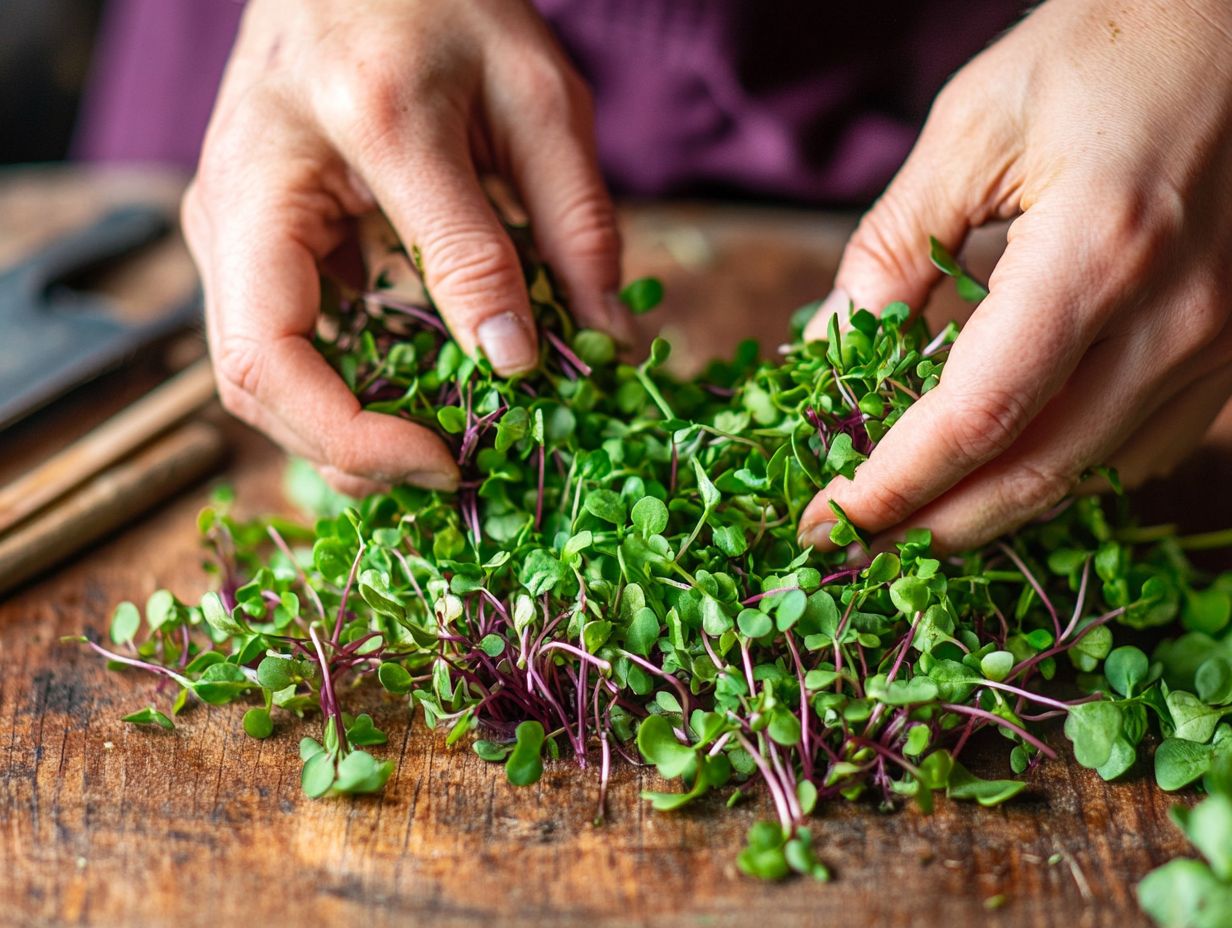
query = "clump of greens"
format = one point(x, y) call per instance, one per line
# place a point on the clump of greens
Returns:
point(1196, 893)
point(619, 577)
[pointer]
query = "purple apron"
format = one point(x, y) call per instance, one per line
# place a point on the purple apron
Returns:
point(803, 99)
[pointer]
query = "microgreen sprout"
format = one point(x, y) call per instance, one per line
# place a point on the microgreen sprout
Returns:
point(618, 577)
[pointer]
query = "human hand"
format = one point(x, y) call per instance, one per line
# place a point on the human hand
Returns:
point(332, 108)
point(1106, 128)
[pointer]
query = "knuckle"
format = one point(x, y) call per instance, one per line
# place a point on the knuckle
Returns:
point(238, 364)
point(588, 224)
point(984, 425)
point(879, 249)
point(469, 262)
point(886, 506)
point(960, 103)
point(550, 90)
point(1206, 324)
point(1028, 489)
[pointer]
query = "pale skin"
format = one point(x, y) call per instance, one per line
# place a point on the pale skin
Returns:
point(1102, 129)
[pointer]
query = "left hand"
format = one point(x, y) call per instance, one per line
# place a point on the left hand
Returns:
point(1106, 129)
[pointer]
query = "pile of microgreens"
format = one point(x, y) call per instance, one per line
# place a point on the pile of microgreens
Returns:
point(618, 576)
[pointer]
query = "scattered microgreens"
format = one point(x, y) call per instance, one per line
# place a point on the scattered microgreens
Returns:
point(618, 575)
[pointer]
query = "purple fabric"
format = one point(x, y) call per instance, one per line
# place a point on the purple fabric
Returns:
point(157, 66)
point(801, 99)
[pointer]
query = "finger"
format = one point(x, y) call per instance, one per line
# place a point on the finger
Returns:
point(936, 193)
point(1164, 442)
point(1085, 425)
point(1006, 364)
point(421, 172)
point(349, 484)
point(555, 167)
point(262, 294)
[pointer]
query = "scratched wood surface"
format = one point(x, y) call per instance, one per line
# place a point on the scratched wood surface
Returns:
point(103, 824)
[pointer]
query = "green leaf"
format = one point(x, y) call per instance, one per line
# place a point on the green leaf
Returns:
point(842, 458)
point(150, 716)
point(1194, 720)
point(125, 622)
point(221, 683)
point(257, 723)
point(1213, 681)
point(452, 419)
point(159, 608)
point(731, 540)
point(659, 746)
point(642, 632)
point(394, 678)
point(963, 784)
point(1093, 728)
point(606, 505)
point(910, 595)
point(362, 731)
point(642, 295)
point(218, 618)
point(1119, 761)
point(754, 623)
point(525, 764)
point(884, 568)
point(1208, 825)
point(318, 774)
point(709, 493)
point(360, 772)
point(1086, 654)
point(492, 645)
point(1178, 763)
point(901, 692)
point(1207, 611)
point(784, 728)
point(1126, 667)
point(277, 673)
point(997, 665)
point(649, 516)
point(492, 751)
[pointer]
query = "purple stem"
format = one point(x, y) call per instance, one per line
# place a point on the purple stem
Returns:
point(1005, 723)
point(1082, 597)
point(559, 344)
point(1035, 585)
point(329, 704)
point(346, 593)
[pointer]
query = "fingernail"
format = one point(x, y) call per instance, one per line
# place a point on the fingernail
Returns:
point(507, 343)
point(433, 480)
point(818, 536)
point(619, 325)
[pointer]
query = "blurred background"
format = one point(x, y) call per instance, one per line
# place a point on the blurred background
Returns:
point(46, 48)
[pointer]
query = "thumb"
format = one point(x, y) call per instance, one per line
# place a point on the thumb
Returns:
point(887, 258)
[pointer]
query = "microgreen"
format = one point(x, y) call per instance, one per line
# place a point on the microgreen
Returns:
point(619, 574)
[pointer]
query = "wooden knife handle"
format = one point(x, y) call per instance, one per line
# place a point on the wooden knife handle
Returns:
point(109, 499)
point(119, 436)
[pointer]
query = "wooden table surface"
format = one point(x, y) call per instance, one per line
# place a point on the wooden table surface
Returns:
point(105, 824)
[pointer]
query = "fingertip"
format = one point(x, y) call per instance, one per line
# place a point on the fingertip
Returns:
point(839, 304)
point(509, 342)
point(816, 523)
point(441, 481)
point(349, 485)
point(617, 320)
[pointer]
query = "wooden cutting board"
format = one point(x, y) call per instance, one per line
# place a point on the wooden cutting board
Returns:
point(104, 824)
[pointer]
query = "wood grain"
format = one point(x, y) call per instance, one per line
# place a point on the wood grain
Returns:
point(104, 824)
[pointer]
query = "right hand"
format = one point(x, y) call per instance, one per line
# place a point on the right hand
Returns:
point(332, 108)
